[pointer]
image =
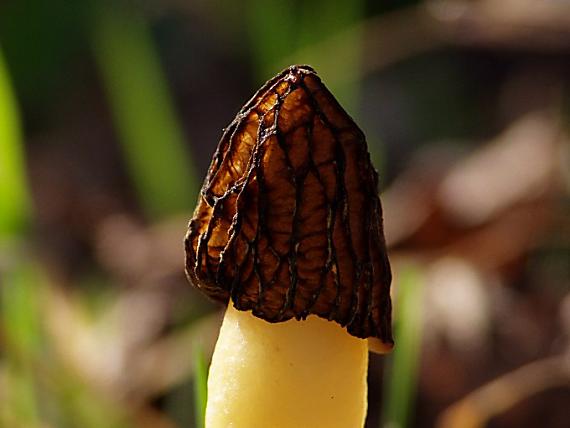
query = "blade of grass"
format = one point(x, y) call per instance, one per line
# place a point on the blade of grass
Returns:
point(403, 364)
point(325, 36)
point(271, 27)
point(340, 65)
point(152, 141)
point(14, 209)
point(282, 33)
point(18, 299)
point(200, 386)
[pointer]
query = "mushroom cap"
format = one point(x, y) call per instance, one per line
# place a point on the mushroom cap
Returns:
point(289, 222)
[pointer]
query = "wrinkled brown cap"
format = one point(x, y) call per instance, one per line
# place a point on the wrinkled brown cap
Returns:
point(288, 221)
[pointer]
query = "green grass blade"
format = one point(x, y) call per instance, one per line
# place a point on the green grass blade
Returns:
point(19, 320)
point(271, 27)
point(282, 33)
point(200, 386)
point(320, 21)
point(152, 141)
point(401, 376)
point(14, 206)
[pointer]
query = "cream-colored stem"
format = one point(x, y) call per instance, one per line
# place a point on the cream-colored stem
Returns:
point(295, 374)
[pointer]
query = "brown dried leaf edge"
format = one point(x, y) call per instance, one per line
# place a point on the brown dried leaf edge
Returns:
point(288, 221)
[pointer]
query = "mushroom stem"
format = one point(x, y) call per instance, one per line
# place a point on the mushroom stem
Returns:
point(287, 375)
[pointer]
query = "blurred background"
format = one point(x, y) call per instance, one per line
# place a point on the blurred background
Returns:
point(110, 112)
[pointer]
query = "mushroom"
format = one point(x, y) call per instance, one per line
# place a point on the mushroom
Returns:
point(288, 231)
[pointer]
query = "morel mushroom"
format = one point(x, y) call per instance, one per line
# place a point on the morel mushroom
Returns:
point(288, 230)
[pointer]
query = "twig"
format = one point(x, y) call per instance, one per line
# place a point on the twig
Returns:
point(499, 395)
